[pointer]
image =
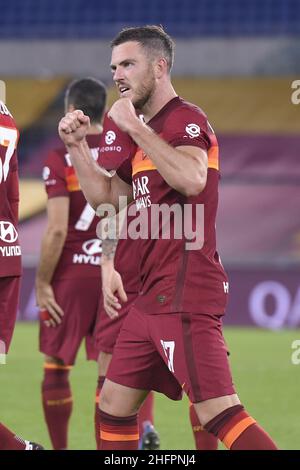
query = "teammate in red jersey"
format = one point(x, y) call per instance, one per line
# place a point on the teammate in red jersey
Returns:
point(10, 254)
point(68, 286)
point(69, 279)
point(172, 338)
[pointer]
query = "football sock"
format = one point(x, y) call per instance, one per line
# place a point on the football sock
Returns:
point(9, 441)
point(97, 411)
point(146, 412)
point(118, 433)
point(57, 403)
point(239, 431)
point(203, 439)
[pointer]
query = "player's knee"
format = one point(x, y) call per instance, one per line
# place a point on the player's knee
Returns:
point(209, 409)
point(117, 400)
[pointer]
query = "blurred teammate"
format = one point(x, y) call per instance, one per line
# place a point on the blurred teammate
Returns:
point(68, 286)
point(10, 254)
point(171, 340)
point(68, 283)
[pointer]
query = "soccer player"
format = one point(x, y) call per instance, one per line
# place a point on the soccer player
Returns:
point(68, 285)
point(10, 254)
point(171, 340)
point(109, 324)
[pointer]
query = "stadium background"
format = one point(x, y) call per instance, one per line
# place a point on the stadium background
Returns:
point(237, 61)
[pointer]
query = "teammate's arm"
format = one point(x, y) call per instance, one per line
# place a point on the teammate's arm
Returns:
point(52, 245)
point(96, 183)
point(112, 285)
point(13, 191)
point(184, 168)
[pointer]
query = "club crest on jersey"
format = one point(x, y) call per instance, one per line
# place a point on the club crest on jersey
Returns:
point(193, 130)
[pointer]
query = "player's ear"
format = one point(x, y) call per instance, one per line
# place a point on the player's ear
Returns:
point(160, 67)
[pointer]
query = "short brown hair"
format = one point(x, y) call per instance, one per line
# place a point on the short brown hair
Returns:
point(153, 38)
point(89, 95)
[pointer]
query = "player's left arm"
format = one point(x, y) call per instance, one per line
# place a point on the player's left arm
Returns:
point(183, 167)
point(52, 246)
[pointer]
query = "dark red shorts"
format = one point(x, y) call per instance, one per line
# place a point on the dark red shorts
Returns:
point(9, 299)
point(171, 353)
point(79, 300)
point(107, 330)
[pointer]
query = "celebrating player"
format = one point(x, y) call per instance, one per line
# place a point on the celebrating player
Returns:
point(171, 340)
point(108, 326)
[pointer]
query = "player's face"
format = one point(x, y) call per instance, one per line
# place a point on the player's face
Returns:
point(133, 73)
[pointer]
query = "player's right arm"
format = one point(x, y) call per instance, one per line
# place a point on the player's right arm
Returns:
point(52, 246)
point(96, 183)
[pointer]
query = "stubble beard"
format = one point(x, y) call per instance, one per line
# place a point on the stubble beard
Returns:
point(144, 94)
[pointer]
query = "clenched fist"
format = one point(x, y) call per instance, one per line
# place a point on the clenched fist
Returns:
point(73, 128)
point(123, 114)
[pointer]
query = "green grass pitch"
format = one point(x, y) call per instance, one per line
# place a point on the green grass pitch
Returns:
point(267, 382)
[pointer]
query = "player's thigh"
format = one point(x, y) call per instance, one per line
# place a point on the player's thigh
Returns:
point(132, 354)
point(136, 363)
point(209, 409)
point(193, 348)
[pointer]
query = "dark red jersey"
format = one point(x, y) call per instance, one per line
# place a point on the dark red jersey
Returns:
point(116, 147)
point(82, 249)
point(174, 276)
point(10, 251)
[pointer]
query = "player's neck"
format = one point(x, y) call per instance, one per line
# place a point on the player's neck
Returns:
point(159, 99)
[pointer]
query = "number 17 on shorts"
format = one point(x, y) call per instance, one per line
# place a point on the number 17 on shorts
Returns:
point(169, 347)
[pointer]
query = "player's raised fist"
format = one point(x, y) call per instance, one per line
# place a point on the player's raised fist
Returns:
point(123, 114)
point(73, 127)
